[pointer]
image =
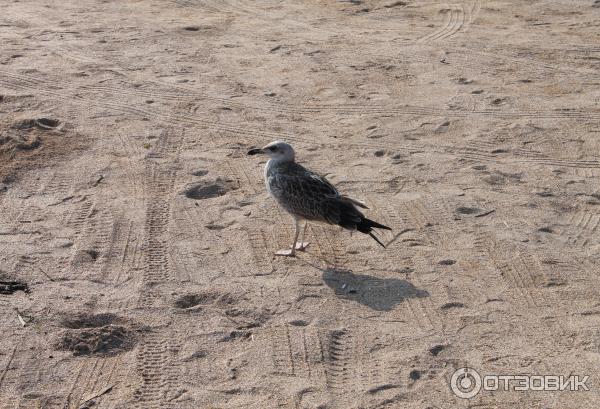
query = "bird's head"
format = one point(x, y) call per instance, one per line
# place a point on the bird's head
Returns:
point(276, 150)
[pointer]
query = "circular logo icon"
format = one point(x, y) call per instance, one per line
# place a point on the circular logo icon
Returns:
point(465, 383)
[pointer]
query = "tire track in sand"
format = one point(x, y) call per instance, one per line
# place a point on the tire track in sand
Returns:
point(156, 364)
point(457, 18)
point(338, 361)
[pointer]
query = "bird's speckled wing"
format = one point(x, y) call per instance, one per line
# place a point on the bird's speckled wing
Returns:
point(304, 193)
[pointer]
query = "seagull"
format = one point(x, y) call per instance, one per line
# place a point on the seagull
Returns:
point(309, 197)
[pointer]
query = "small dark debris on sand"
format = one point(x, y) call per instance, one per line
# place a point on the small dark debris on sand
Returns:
point(10, 287)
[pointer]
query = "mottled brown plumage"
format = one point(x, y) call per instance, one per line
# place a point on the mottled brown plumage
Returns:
point(308, 196)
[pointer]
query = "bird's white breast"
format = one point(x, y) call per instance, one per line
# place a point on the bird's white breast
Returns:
point(268, 166)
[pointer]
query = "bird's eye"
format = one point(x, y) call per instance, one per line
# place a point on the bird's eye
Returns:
point(272, 148)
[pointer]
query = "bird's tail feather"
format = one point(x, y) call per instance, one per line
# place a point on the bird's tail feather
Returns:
point(367, 225)
point(355, 202)
point(376, 239)
point(371, 223)
point(352, 219)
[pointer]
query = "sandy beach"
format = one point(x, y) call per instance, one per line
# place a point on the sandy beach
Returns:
point(137, 238)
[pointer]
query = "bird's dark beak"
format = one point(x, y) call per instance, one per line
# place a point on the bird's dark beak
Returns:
point(255, 151)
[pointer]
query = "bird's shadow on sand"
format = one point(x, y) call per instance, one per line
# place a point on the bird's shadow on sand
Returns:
point(380, 294)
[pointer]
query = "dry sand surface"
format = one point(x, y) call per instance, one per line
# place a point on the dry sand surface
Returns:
point(145, 237)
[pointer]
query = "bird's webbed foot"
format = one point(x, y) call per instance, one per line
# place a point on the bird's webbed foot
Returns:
point(286, 253)
point(302, 246)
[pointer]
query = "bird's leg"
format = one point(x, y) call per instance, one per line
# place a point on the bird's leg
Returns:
point(303, 245)
point(291, 252)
